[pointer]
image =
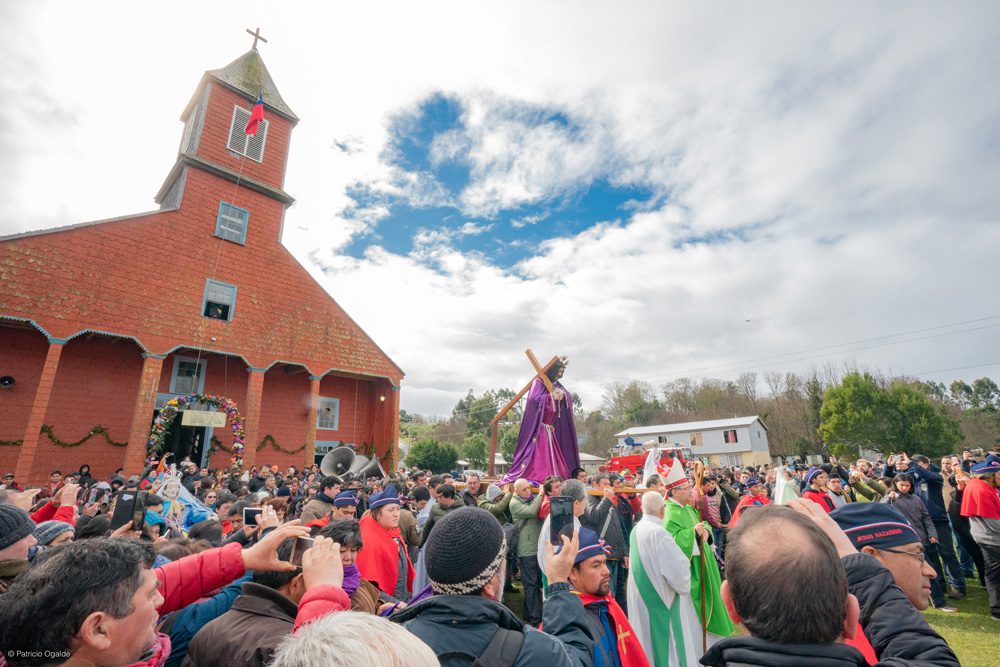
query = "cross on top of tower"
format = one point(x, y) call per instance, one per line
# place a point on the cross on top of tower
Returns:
point(256, 35)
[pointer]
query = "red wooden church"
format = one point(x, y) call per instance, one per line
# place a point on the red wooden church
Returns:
point(101, 323)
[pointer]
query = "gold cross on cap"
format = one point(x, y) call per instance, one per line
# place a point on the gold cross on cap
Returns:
point(256, 36)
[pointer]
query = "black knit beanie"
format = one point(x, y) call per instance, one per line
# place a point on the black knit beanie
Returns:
point(15, 525)
point(464, 551)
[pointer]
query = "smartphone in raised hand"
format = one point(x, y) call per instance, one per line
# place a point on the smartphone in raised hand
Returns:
point(299, 548)
point(250, 515)
point(560, 519)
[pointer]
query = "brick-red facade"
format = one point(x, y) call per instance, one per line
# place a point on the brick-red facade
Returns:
point(118, 294)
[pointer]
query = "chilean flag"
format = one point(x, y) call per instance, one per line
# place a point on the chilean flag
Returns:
point(256, 116)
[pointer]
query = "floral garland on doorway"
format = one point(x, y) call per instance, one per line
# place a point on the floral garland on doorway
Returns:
point(169, 412)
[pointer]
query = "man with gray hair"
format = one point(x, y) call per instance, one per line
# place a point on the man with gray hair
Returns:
point(353, 639)
point(576, 490)
point(661, 611)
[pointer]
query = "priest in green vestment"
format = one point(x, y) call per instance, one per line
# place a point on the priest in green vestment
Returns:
point(682, 522)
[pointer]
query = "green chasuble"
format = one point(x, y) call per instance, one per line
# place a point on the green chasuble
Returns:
point(680, 521)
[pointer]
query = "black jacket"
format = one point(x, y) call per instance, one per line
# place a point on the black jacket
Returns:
point(597, 514)
point(469, 499)
point(256, 483)
point(898, 632)
point(467, 624)
point(739, 651)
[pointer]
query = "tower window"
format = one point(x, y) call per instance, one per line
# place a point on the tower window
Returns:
point(219, 301)
point(245, 144)
point(232, 223)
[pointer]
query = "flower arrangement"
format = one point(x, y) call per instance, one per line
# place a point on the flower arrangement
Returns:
point(169, 413)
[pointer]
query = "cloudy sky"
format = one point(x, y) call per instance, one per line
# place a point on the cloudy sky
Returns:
point(657, 190)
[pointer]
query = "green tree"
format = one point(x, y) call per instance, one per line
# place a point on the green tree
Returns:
point(855, 415)
point(432, 455)
point(859, 413)
point(507, 440)
point(985, 395)
point(476, 450)
point(634, 403)
point(920, 426)
point(961, 393)
point(481, 412)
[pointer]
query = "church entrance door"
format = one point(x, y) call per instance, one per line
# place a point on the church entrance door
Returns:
point(185, 442)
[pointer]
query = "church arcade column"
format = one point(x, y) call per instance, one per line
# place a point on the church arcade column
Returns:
point(314, 381)
point(39, 406)
point(251, 415)
point(142, 413)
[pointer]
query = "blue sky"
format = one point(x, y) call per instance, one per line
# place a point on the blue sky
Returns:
point(505, 236)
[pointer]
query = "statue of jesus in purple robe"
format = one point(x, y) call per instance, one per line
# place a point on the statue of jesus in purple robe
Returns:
point(546, 443)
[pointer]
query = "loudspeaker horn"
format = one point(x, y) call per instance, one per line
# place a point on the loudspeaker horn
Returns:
point(360, 461)
point(337, 461)
point(372, 469)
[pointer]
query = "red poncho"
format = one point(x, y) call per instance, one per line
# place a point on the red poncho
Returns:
point(378, 561)
point(980, 499)
point(747, 501)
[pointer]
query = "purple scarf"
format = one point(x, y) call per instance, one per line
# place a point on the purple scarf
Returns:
point(352, 579)
point(419, 597)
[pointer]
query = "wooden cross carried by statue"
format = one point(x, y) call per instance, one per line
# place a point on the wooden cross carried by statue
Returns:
point(540, 373)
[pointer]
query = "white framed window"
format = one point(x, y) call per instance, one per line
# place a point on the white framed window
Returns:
point(188, 376)
point(696, 440)
point(251, 145)
point(324, 446)
point(328, 413)
point(732, 460)
point(729, 437)
point(219, 301)
point(231, 223)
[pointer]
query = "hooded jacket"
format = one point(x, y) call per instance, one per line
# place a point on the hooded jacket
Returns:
point(467, 624)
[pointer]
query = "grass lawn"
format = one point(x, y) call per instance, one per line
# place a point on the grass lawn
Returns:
point(972, 634)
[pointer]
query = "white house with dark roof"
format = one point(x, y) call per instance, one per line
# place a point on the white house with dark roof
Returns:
point(738, 441)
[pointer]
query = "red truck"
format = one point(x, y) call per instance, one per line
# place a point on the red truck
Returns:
point(631, 459)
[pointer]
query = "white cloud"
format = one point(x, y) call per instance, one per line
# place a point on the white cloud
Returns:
point(869, 125)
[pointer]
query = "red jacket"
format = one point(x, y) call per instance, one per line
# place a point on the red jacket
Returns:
point(819, 498)
point(48, 512)
point(191, 578)
point(321, 601)
point(543, 510)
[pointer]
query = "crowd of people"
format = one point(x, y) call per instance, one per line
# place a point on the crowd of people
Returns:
point(778, 565)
